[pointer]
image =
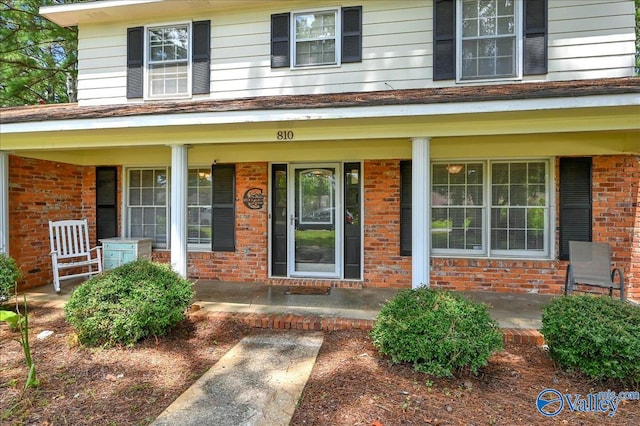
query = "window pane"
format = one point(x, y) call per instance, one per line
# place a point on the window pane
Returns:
point(457, 227)
point(518, 195)
point(168, 60)
point(517, 219)
point(440, 196)
point(499, 218)
point(135, 197)
point(536, 195)
point(147, 196)
point(535, 240)
point(147, 203)
point(517, 240)
point(199, 206)
point(315, 35)
point(535, 219)
point(521, 221)
point(440, 175)
point(488, 46)
point(500, 195)
point(474, 195)
point(499, 239)
point(135, 216)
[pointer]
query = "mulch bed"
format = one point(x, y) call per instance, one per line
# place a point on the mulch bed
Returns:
point(349, 385)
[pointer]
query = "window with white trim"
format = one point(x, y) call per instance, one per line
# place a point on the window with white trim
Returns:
point(148, 206)
point(488, 45)
point(495, 208)
point(315, 38)
point(199, 212)
point(168, 56)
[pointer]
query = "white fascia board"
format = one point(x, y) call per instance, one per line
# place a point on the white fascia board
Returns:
point(68, 15)
point(290, 115)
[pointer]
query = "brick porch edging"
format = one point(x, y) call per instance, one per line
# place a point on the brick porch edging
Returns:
point(518, 336)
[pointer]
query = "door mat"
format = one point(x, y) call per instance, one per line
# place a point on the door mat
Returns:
point(308, 290)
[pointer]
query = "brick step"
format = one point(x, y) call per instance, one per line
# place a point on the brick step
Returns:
point(518, 336)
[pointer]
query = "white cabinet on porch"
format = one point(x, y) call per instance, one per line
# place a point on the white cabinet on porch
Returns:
point(118, 251)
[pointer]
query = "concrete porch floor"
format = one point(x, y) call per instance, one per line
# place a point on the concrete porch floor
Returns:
point(512, 311)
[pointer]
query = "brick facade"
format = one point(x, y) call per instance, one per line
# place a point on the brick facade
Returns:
point(41, 190)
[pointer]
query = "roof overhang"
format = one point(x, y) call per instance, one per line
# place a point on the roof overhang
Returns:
point(68, 15)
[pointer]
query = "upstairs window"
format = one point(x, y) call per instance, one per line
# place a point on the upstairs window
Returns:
point(489, 46)
point(316, 38)
point(168, 61)
point(489, 39)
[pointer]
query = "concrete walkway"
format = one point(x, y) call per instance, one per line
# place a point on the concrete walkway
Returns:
point(258, 383)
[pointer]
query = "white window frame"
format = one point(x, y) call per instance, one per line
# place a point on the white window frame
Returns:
point(147, 60)
point(338, 38)
point(487, 252)
point(518, 11)
point(127, 206)
point(200, 246)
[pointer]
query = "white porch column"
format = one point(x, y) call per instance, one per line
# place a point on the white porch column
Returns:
point(4, 202)
point(420, 212)
point(179, 172)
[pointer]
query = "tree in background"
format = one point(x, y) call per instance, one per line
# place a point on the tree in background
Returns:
point(637, 37)
point(38, 59)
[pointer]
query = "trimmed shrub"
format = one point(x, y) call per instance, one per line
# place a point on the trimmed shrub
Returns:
point(131, 302)
point(439, 332)
point(596, 335)
point(9, 274)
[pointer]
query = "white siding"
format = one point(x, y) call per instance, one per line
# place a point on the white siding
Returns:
point(591, 39)
point(587, 39)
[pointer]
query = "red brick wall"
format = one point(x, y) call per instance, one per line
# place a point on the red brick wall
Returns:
point(616, 221)
point(40, 191)
point(249, 261)
point(616, 213)
point(383, 265)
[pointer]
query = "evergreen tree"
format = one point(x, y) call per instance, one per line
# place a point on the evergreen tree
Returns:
point(38, 59)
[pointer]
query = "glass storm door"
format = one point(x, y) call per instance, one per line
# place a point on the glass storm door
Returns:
point(315, 221)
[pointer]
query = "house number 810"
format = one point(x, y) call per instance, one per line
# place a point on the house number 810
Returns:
point(284, 135)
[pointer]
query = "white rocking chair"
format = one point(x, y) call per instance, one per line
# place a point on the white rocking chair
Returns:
point(71, 251)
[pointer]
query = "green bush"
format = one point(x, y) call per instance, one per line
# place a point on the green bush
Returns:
point(9, 274)
point(134, 301)
point(598, 336)
point(439, 332)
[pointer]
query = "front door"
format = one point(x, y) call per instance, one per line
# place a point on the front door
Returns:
point(315, 221)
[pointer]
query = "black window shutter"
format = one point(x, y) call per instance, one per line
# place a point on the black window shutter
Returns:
point(575, 202)
point(405, 208)
point(201, 70)
point(280, 40)
point(223, 222)
point(279, 220)
point(535, 37)
point(444, 40)
point(352, 34)
point(135, 62)
point(106, 202)
point(352, 220)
